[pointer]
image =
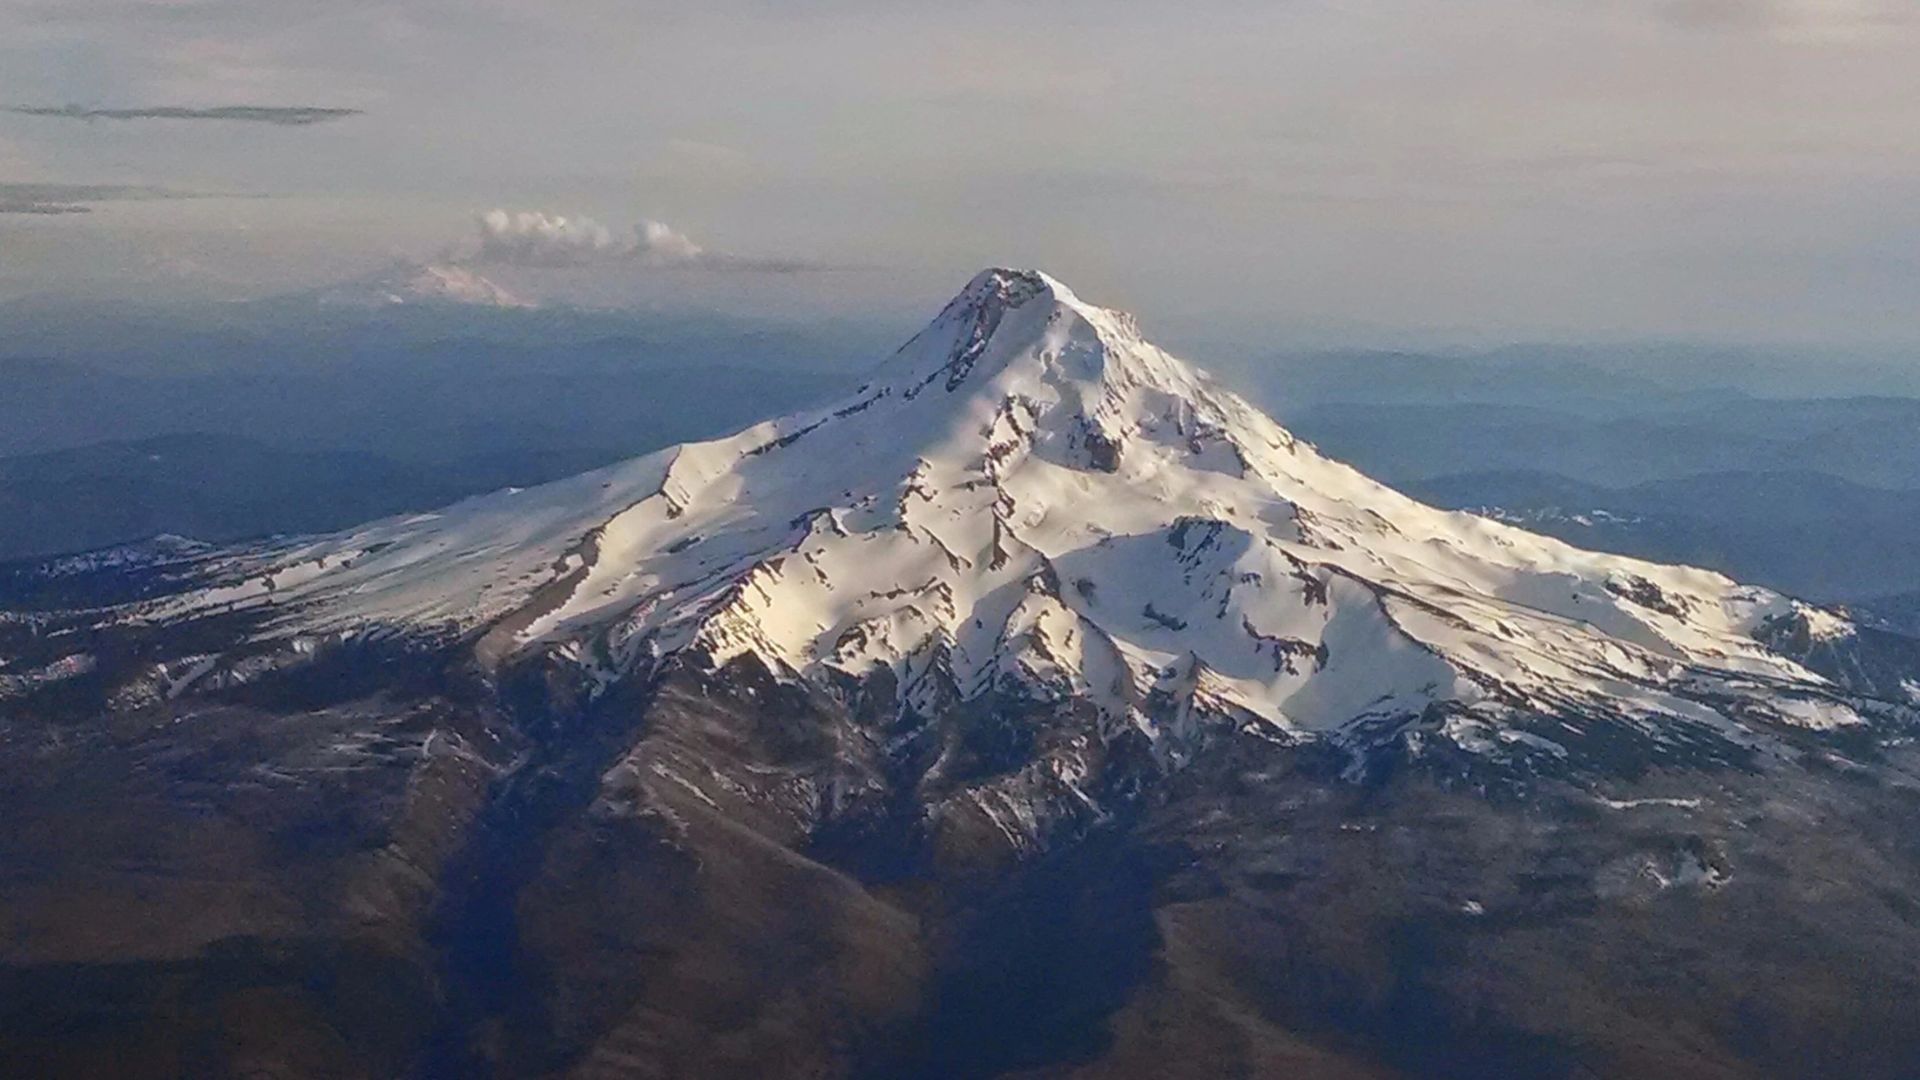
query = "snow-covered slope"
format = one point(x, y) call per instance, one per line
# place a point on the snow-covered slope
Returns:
point(416, 283)
point(1029, 500)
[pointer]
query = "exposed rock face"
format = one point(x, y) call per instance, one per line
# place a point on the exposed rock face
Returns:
point(1043, 709)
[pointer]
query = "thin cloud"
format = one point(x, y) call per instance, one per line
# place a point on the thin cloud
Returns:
point(277, 115)
point(1814, 19)
point(59, 200)
point(46, 209)
point(751, 264)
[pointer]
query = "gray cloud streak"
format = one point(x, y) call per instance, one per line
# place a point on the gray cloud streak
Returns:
point(1812, 16)
point(45, 209)
point(277, 115)
point(60, 200)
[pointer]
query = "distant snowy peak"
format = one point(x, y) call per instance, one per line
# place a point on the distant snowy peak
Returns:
point(418, 283)
point(1030, 502)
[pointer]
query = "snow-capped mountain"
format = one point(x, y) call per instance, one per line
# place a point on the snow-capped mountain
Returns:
point(1042, 708)
point(1031, 500)
point(405, 283)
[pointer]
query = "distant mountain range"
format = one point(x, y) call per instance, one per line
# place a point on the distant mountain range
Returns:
point(1810, 533)
point(419, 283)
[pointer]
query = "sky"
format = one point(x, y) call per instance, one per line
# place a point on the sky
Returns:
point(1369, 172)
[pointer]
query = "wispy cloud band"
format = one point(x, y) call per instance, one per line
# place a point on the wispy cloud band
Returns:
point(58, 200)
point(44, 209)
point(278, 115)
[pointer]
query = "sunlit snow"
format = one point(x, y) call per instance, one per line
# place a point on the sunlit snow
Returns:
point(1031, 499)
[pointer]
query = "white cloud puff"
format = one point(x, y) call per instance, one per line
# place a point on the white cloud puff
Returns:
point(533, 238)
point(656, 241)
point(540, 239)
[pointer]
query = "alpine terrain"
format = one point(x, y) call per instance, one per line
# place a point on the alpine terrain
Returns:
point(1042, 709)
point(444, 284)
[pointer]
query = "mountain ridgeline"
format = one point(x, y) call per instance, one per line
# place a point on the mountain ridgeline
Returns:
point(1041, 708)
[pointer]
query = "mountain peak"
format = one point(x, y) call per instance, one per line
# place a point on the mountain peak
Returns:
point(406, 283)
point(998, 290)
point(1010, 281)
point(834, 719)
point(1003, 315)
point(1033, 501)
point(1040, 629)
point(1011, 287)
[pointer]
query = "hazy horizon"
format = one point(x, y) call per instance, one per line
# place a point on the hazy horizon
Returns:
point(1739, 170)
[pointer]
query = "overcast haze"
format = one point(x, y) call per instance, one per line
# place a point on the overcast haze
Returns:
point(1466, 169)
